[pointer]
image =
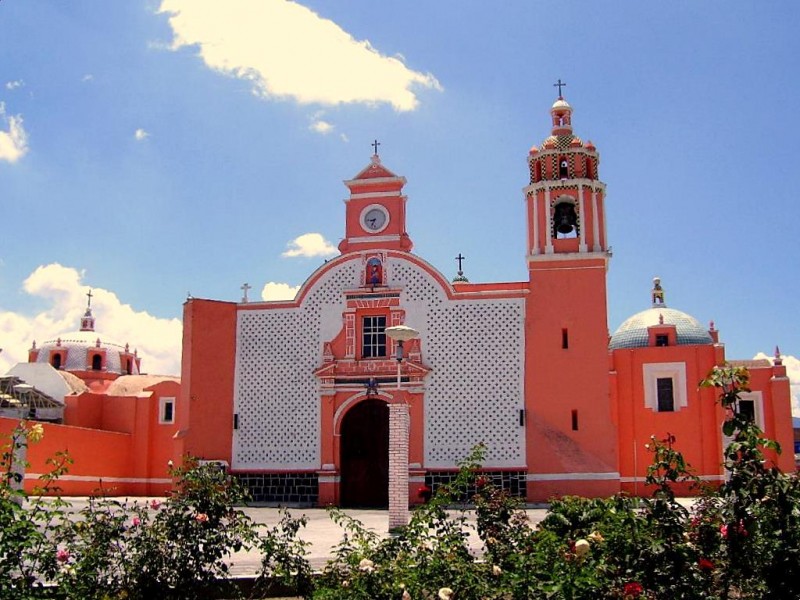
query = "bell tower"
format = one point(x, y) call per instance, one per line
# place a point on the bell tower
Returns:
point(572, 442)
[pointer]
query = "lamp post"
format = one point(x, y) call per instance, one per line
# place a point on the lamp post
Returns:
point(398, 437)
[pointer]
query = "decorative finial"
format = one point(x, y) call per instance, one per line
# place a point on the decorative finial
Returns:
point(375, 145)
point(658, 293)
point(460, 277)
point(778, 360)
point(711, 326)
point(245, 289)
point(559, 85)
point(660, 319)
point(89, 295)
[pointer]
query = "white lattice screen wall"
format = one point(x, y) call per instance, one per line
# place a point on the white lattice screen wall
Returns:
point(276, 392)
point(475, 348)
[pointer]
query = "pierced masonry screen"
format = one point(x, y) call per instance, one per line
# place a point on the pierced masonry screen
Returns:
point(373, 337)
point(666, 398)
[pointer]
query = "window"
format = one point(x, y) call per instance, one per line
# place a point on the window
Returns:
point(166, 411)
point(373, 337)
point(564, 339)
point(55, 360)
point(666, 396)
point(574, 420)
point(665, 388)
point(747, 408)
point(662, 339)
point(97, 362)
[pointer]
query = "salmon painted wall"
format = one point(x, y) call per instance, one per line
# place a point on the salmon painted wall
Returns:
point(696, 426)
point(567, 306)
point(773, 384)
point(205, 408)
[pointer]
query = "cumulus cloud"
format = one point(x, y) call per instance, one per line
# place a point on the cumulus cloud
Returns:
point(63, 290)
point(278, 291)
point(321, 126)
point(12, 85)
point(140, 134)
point(14, 142)
point(792, 365)
point(308, 245)
point(288, 51)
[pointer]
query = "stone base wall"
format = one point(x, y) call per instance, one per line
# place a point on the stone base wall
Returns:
point(282, 488)
point(514, 482)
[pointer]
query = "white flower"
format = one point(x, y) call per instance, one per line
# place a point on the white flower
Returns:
point(366, 565)
point(445, 594)
point(496, 570)
point(406, 595)
point(582, 547)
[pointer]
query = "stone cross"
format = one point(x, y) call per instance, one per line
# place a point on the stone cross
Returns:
point(245, 289)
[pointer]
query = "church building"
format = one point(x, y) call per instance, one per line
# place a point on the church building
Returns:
point(298, 401)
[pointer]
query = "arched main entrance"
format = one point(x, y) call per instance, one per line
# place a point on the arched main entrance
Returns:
point(365, 455)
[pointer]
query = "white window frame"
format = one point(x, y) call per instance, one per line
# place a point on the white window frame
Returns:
point(162, 404)
point(652, 372)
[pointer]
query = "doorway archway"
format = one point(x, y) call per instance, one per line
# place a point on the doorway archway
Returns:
point(365, 455)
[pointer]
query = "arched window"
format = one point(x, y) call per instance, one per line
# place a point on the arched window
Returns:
point(565, 220)
point(374, 274)
point(55, 360)
point(563, 168)
point(97, 362)
point(128, 366)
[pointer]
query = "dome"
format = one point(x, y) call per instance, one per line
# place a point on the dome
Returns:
point(633, 332)
point(561, 104)
point(78, 344)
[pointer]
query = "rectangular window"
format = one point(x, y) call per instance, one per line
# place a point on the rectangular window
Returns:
point(166, 413)
point(666, 397)
point(662, 339)
point(747, 408)
point(574, 420)
point(564, 339)
point(373, 337)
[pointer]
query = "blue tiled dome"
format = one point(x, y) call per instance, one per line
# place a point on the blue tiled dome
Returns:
point(633, 332)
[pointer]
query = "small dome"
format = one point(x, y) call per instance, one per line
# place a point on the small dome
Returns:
point(78, 344)
point(633, 332)
point(561, 104)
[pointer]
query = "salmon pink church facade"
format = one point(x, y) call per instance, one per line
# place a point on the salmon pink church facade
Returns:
point(295, 397)
point(297, 401)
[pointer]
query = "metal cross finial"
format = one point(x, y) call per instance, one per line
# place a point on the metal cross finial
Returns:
point(375, 145)
point(459, 258)
point(89, 305)
point(245, 288)
point(559, 85)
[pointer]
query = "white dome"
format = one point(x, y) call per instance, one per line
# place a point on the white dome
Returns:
point(78, 344)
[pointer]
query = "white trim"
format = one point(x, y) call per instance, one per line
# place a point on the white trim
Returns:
point(374, 180)
point(652, 372)
point(611, 475)
point(374, 238)
point(374, 195)
point(101, 479)
point(330, 479)
point(643, 479)
point(569, 256)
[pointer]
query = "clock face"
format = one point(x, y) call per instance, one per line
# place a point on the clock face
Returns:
point(374, 218)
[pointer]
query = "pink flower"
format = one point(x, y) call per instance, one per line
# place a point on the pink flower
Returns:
point(62, 555)
point(155, 504)
point(136, 521)
point(201, 517)
point(723, 529)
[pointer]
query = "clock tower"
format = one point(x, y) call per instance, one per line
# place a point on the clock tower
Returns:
point(375, 214)
point(572, 443)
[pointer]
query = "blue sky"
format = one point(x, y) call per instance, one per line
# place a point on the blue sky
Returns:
point(153, 148)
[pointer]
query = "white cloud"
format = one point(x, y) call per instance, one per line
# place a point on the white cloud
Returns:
point(792, 365)
point(140, 134)
point(344, 137)
point(87, 77)
point(64, 292)
point(279, 291)
point(309, 244)
point(321, 126)
point(12, 85)
point(288, 51)
point(14, 142)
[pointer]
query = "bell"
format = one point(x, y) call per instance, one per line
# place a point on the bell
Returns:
point(565, 218)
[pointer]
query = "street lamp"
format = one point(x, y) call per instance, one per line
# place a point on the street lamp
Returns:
point(398, 437)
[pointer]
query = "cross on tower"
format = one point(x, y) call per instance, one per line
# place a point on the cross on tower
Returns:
point(89, 305)
point(459, 258)
point(375, 145)
point(245, 288)
point(559, 85)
